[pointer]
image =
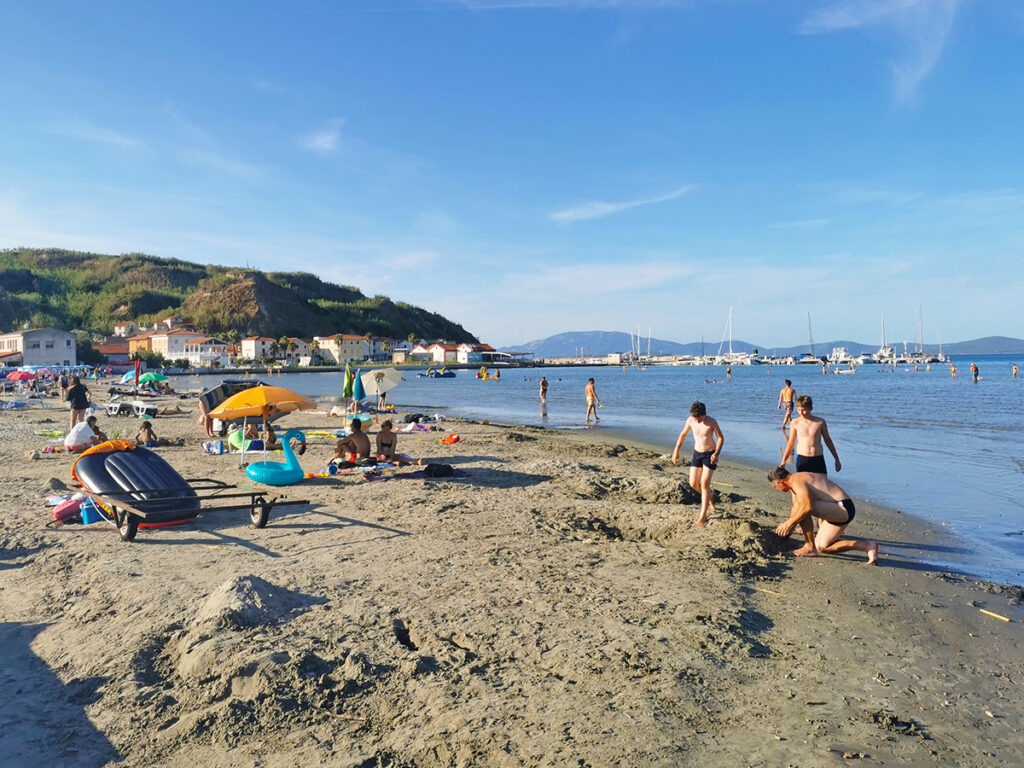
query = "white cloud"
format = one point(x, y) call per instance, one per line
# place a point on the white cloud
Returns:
point(924, 26)
point(217, 162)
point(590, 280)
point(596, 210)
point(85, 131)
point(325, 140)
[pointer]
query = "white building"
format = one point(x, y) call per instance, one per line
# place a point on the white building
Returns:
point(255, 347)
point(171, 344)
point(207, 352)
point(342, 348)
point(39, 346)
point(444, 353)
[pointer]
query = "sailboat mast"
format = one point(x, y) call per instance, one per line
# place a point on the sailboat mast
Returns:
point(810, 336)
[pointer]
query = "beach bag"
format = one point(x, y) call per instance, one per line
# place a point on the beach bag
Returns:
point(215, 447)
point(79, 437)
point(68, 510)
point(438, 470)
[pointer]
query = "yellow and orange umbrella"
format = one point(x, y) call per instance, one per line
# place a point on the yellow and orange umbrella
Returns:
point(261, 402)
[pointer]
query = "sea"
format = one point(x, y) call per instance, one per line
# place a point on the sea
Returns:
point(946, 450)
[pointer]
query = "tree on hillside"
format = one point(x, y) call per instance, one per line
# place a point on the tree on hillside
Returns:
point(411, 338)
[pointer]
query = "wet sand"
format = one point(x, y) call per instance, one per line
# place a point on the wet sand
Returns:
point(552, 607)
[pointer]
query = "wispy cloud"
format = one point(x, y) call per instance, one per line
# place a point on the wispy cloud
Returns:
point(506, 5)
point(86, 131)
point(801, 224)
point(924, 26)
point(325, 140)
point(225, 165)
point(597, 210)
point(267, 86)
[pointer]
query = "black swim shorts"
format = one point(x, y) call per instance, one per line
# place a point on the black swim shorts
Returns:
point(847, 504)
point(703, 459)
point(815, 464)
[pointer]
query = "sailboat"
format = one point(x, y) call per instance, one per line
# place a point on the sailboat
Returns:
point(808, 358)
point(885, 355)
point(732, 358)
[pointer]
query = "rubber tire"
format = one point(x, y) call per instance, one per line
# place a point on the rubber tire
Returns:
point(260, 514)
point(128, 526)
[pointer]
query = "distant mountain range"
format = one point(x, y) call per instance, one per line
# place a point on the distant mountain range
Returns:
point(600, 343)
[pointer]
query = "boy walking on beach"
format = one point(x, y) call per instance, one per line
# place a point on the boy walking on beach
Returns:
point(806, 434)
point(707, 447)
point(815, 495)
point(786, 395)
point(592, 401)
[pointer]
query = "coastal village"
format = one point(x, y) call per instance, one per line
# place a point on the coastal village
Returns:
point(174, 343)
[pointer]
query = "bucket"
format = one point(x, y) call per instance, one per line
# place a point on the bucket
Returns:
point(90, 513)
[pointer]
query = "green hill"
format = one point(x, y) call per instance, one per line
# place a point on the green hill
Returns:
point(71, 289)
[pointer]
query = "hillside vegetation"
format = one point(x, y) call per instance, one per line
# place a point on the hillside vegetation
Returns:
point(70, 289)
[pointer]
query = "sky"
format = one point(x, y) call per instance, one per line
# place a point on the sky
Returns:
point(527, 167)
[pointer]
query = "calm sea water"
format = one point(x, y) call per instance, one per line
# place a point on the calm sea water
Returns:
point(945, 450)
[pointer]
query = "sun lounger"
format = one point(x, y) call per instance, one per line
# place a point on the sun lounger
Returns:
point(138, 487)
point(144, 410)
point(120, 409)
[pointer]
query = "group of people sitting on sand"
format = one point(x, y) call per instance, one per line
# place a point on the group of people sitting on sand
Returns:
point(354, 450)
point(813, 495)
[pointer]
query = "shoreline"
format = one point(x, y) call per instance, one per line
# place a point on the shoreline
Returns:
point(551, 607)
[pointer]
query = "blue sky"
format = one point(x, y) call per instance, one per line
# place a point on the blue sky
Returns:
point(528, 168)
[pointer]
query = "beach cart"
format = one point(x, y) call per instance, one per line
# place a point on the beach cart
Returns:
point(138, 488)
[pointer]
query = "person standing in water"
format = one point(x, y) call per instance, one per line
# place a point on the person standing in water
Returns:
point(707, 447)
point(806, 435)
point(543, 389)
point(786, 395)
point(974, 372)
point(592, 401)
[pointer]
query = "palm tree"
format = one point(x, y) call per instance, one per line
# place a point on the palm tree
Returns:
point(411, 338)
point(338, 338)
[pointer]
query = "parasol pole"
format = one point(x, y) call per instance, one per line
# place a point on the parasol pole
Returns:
point(241, 460)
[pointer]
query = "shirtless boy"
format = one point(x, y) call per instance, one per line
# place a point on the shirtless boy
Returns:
point(806, 434)
point(786, 395)
point(592, 401)
point(815, 495)
point(707, 447)
point(354, 447)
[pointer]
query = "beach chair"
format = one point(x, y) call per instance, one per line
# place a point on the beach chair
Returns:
point(120, 409)
point(138, 488)
point(144, 410)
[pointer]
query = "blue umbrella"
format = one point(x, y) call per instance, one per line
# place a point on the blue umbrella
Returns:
point(129, 376)
point(358, 393)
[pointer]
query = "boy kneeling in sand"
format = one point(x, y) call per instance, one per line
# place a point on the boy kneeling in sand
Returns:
point(815, 495)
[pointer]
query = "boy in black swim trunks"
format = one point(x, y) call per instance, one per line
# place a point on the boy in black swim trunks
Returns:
point(814, 495)
point(707, 447)
point(806, 434)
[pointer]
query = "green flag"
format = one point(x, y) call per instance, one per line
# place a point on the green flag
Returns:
point(346, 390)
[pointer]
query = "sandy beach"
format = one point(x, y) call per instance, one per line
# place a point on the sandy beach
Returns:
point(552, 607)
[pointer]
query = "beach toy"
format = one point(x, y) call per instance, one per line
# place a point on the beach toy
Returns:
point(366, 420)
point(277, 473)
point(451, 439)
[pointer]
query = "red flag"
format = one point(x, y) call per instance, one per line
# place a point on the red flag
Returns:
point(138, 367)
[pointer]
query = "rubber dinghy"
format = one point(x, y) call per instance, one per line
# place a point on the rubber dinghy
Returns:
point(122, 470)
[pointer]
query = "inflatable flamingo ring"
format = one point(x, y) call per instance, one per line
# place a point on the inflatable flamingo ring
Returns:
point(276, 472)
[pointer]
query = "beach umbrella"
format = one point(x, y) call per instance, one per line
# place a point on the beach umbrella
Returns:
point(21, 376)
point(381, 381)
point(358, 393)
point(128, 376)
point(346, 389)
point(45, 371)
point(150, 376)
point(260, 402)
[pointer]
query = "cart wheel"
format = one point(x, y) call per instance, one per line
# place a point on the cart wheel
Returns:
point(128, 526)
point(259, 513)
